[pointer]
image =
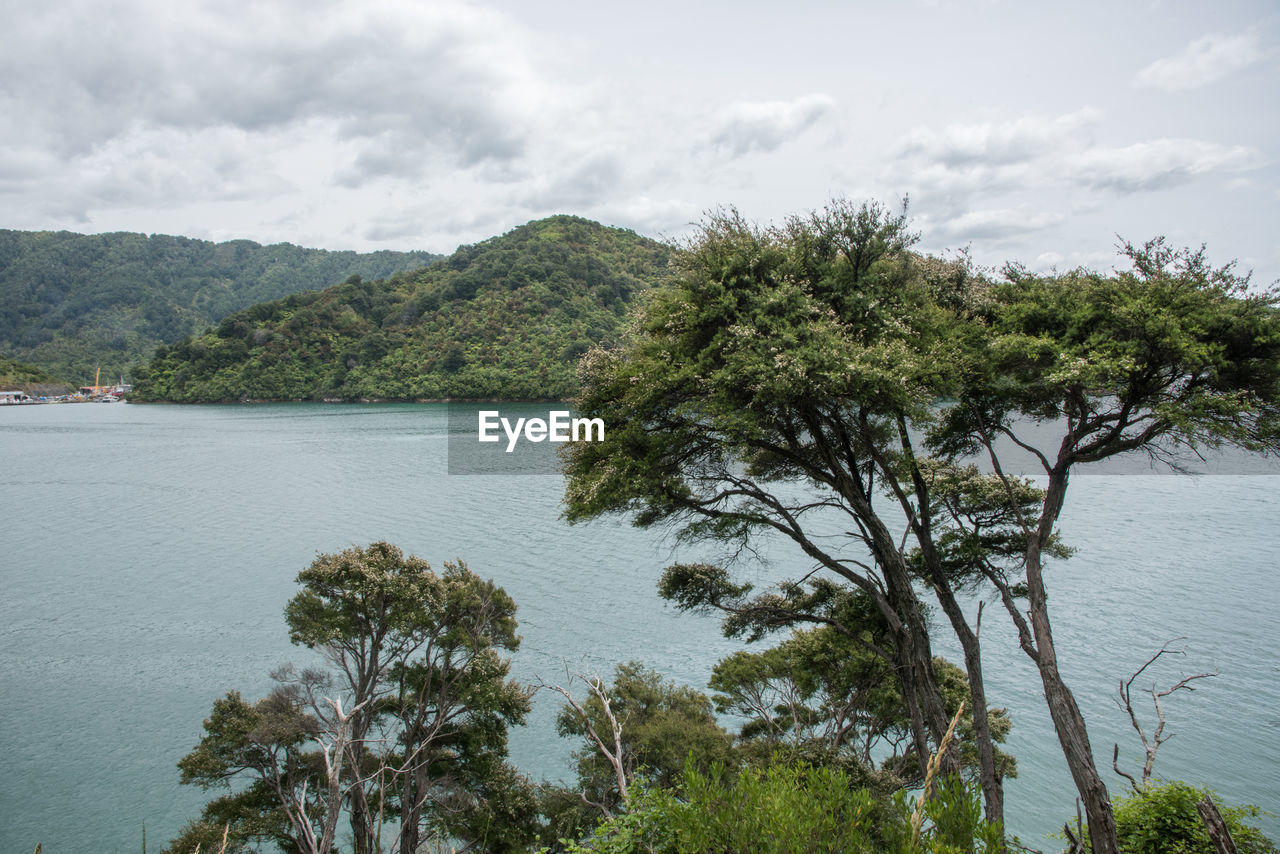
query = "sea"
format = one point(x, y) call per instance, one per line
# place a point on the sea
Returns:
point(147, 553)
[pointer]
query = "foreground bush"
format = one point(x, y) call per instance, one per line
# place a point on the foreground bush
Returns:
point(1162, 819)
point(787, 809)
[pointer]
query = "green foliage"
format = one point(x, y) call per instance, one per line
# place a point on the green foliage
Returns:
point(827, 699)
point(17, 376)
point(70, 303)
point(1173, 352)
point(1161, 818)
point(788, 809)
point(506, 318)
point(663, 724)
point(420, 750)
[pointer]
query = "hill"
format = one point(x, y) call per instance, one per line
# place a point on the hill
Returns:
point(16, 376)
point(70, 303)
point(506, 319)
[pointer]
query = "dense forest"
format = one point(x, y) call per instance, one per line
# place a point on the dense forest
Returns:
point(505, 318)
point(70, 303)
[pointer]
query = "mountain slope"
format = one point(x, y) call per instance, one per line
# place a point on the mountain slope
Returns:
point(16, 376)
point(70, 303)
point(506, 318)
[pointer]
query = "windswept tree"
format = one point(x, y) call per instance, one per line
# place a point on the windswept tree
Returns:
point(820, 382)
point(1172, 355)
point(779, 387)
point(404, 732)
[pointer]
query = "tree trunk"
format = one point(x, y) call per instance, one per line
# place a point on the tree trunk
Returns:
point(911, 640)
point(1216, 827)
point(988, 776)
point(1067, 720)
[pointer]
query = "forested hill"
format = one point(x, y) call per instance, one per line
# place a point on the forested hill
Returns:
point(70, 303)
point(20, 377)
point(506, 318)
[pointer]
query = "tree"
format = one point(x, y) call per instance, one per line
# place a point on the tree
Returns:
point(641, 725)
point(410, 719)
point(820, 698)
point(266, 744)
point(779, 386)
point(1173, 354)
point(785, 381)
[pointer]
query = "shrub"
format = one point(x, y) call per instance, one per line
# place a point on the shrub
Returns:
point(1161, 818)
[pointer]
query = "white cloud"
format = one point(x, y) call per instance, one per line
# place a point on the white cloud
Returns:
point(998, 223)
point(1203, 61)
point(961, 161)
point(745, 127)
point(961, 167)
point(1158, 164)
point(996, 143)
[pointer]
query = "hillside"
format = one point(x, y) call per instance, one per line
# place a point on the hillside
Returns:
point(16, 376)
point(70, 303)
point(506, 318)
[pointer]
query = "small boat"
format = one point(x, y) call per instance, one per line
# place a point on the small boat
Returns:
point(109, 398)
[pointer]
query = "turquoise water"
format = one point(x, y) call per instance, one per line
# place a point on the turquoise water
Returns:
point(147, 553)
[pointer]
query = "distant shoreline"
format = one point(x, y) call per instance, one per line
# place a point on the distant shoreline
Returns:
point(343, 400)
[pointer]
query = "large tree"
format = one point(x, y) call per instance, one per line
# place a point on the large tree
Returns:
point(774, 388)
point(784, 384)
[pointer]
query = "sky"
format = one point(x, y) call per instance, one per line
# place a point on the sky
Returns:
point(1041, 133)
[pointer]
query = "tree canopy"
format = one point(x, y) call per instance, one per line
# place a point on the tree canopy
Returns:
point(405, 732)
point(821, 382)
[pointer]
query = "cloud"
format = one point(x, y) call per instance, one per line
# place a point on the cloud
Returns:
point(404, 80)
point(576, 180)
point(991, 144)
point(1158, 164)
point(745, 127)
point(961, 160)
point(997, 224)
point(1203, 61)
point(961, 167)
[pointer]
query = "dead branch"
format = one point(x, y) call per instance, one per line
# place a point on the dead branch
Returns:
point(1151, 744)
point(614, 756)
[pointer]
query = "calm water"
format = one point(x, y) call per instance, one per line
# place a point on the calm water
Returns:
point(148, 552)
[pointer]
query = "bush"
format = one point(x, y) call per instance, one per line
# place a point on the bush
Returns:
point(787, 809)
point(1161, 818)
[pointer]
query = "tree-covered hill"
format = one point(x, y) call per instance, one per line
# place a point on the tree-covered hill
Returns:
point(16, 376)
point(506, 318)
point(70, 303)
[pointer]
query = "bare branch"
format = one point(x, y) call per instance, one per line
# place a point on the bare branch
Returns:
point(1152, 743)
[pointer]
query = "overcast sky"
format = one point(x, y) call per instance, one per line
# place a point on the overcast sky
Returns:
point(1026, 131)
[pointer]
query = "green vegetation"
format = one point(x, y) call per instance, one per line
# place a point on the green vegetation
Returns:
point(405, 732)
point(16, 376)
point(1161, 818)
point(793, 809)
point(71, 303)
point(821, 382)
point(817, 383)
point(507, 318)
